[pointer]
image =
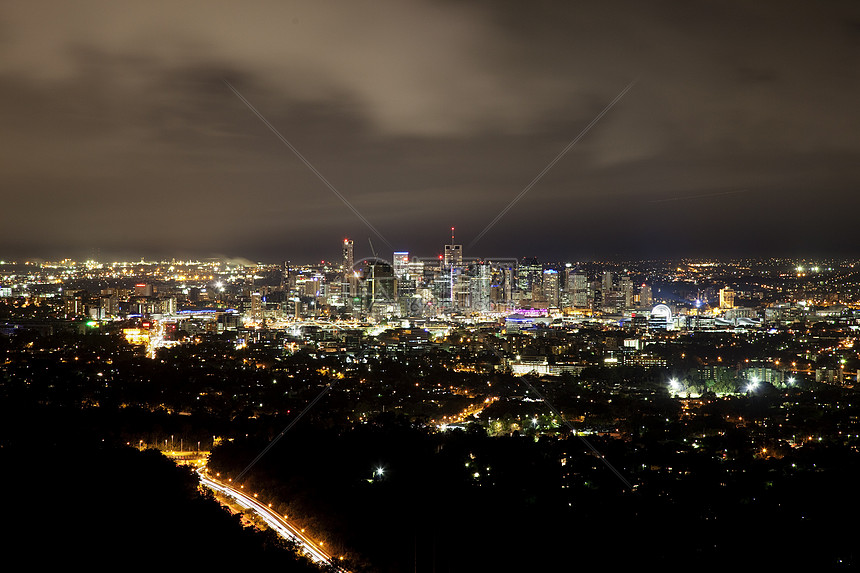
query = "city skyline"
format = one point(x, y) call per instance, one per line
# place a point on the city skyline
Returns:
point(121, 139)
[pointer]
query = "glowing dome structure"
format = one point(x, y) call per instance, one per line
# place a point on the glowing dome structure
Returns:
point(661, 317)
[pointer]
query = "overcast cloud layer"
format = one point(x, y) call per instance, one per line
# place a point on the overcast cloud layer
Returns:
point(118, 136)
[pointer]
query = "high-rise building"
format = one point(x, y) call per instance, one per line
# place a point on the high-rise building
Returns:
point(348, 260)
point(480, 288)
point(645, 298)
point(256, 306)
point(415, 270)
point(528, 274)
point(453, 255)
point(727, 297)
point(509, 283)
point(349, 287)
point(401, 264)
point(550, 287)
point(625, 286)
point(607, 281)
point(577, 287)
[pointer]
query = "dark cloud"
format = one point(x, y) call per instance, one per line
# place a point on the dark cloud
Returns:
point(118, 133)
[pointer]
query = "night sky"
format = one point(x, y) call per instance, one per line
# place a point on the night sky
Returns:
point(120, 138)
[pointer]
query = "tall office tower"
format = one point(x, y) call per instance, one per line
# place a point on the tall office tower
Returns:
point(401, 264)
point(528, 273)
point(625, 285)
point(537, 293)
point(509, 284)
point(607, 281)
point(595, 294)
point(453, 253)
point(727, 297)
point(479, 287)
point(415, 270)
point(550, 286)
point(577, 286)
point(568, 281)
point(645, 298)
point(289, 278)
point(348, 260)
point(256, 307)
point(350, 283)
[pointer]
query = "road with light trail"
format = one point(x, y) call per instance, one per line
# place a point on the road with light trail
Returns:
point(273, 519)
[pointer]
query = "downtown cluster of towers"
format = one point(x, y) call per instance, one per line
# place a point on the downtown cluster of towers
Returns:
point(450, 283)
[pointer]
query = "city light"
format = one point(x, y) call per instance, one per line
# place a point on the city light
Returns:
point(753, 384)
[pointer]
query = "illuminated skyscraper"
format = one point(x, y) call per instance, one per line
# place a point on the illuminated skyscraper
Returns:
point(401, 264)
point(349, 287)
point(348, 260)
point(528, 274)
point(727, 297)
point(608, 279)
point(550, 286)
point(453, 253)
point(645, 297)
point(480, 288)
point(509, 283)
point(257, 307)
point(625, 287)
point(577, 287)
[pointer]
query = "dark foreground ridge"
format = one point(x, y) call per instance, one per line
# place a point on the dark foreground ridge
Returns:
point(74, 500)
